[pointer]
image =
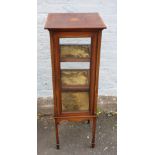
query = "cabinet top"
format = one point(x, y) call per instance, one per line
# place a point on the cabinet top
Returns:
point(65, 21)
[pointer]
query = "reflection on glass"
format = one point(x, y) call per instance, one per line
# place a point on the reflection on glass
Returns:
point(75, 101)
point(74, 77)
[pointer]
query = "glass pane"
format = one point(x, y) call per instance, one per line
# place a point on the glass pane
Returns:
point(75, 48)
point(75, 77)
point(75, 101)
point(75, 64)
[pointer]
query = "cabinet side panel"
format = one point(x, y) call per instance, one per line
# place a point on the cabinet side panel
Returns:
point(53, 71)
point(57, 72)
point(92, 72)
point(98, 47)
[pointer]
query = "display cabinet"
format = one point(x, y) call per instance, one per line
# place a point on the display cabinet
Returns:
point(75, 40)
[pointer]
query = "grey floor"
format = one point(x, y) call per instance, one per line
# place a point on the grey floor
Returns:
point(75, 138)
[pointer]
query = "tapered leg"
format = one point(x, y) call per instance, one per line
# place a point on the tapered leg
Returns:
point(57, 134)
point(93, 132)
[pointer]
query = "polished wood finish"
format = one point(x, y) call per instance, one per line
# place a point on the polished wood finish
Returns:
point(65, 21)
point(75, 25)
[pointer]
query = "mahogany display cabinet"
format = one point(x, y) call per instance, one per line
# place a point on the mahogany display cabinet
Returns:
point(75, 40)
